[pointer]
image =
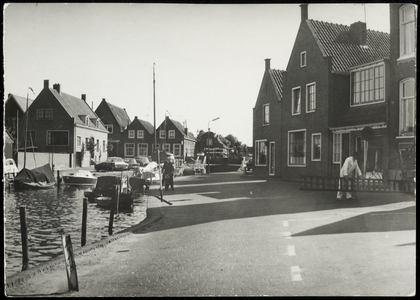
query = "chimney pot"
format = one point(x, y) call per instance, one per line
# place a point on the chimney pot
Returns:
point(304, 12)
point(267, 63)
point(56, 87)
point(84, 97)
point(135, 117)
point(46, 84)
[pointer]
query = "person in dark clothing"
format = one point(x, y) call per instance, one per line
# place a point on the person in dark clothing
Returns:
point(168, 174)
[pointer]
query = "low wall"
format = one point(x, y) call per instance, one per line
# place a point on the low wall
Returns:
point(37, 159)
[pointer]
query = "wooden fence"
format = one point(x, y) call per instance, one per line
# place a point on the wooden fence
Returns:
point(357, 185)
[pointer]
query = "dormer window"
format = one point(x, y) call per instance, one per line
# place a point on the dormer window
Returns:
point(303, 59)
point(407, 31)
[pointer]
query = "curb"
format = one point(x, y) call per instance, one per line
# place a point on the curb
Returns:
point(152, 217)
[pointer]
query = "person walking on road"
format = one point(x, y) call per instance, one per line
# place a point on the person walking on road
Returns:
point(347, 171)
point(168, 174)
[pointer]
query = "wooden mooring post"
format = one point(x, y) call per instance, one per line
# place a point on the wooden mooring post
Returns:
point(84, 220)
point(70, 263)
point(24, 234)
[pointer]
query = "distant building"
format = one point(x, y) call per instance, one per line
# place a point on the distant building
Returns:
point(61, 126)
point(173, 137)
point(116, 121)
point(213, 145)
point(138, 138)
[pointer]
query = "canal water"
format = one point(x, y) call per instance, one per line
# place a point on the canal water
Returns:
point(51, 213)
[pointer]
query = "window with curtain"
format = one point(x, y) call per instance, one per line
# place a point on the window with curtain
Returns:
point(129, 149)
point(316, 147)
point(297, 146)
point(407, 112)
point(336, 148)
point(407, 30)
point(261, 153)
point(310, 97)
point(296, 101)
point(266, 114)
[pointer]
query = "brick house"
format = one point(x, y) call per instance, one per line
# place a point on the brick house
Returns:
point(266, 124)
point(335, 86)
point(61, 125)
point(212, 145)
point(138, 138)
point(116, 121)
point(402, 91)
point(173, 137)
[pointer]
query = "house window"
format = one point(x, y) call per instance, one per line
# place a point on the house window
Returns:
point(266, 114)
point(97, 145)
point(109, 127)
point(316, 147)
point(407, 111)
point(128, 149)
point(44, 114)
point(140, 134)
point(368, 85)
point(103, 146)
point(297, 146)
point(166, 147)
point(155, 147)
point(296, 101)
point(58, 138)
point(142, 149)
point(209, 141)
point(162, 134)
point(336, 148)
point(177, 150)
point(261, 153)
point(303, 59)
point(131, 134)
point(407, 30)
point(31, 136)
point(310, 97)
point(78, 141)
point(171, 134)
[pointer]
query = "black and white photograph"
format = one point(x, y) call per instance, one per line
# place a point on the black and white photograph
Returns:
point(209, 149)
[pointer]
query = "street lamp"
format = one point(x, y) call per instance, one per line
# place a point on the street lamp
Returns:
point(208, 140)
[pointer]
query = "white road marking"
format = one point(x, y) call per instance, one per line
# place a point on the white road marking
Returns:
point(291, 250)
point(295, 272)
point(287, 234)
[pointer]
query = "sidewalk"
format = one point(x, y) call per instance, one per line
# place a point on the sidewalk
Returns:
point(225, 235)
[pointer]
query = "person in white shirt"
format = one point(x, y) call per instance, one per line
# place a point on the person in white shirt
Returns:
point(347, 171)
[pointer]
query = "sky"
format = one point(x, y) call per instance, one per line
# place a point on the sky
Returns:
point(208, 58)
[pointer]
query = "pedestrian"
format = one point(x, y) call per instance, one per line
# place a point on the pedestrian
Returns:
point(168, 174)
point(347, 171)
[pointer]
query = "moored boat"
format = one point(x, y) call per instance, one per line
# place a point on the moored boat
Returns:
point(104, 191)
point(80, 177)
point(35, 179)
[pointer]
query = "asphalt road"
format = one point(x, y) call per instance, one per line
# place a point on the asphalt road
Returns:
point(231, 234)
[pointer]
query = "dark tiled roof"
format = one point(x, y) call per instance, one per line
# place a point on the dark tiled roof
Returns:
point(336, 41)
point(76, 107)
point(21, 101)
point(181, 128)
point(277, 78)
point(120, 115)
point(149, 127)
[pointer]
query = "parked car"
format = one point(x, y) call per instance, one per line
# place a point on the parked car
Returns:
point(112, 164)
point(143, 160)
point(132, 163)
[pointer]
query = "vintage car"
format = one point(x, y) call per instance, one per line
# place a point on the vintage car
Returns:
point(132, 163)
point(112, 164)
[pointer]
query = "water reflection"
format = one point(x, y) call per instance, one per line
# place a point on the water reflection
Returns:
point(51, 213)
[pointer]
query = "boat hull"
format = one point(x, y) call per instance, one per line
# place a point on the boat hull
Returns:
point(20, 185)
point(76, 180)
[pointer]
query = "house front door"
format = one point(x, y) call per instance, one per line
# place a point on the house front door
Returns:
point(272, 158)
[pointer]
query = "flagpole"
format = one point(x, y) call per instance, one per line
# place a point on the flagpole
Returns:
point(154, 124)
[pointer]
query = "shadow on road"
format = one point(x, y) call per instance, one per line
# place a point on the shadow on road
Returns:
point(228, 197)
point(378, 221)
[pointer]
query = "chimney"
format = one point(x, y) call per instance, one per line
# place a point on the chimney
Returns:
point(46, 84)
point(186, 131)
point(135, 117)
point(304, 12)
point(84, 97)
point(267, 63)
point(358, 30)
point(56, 87)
